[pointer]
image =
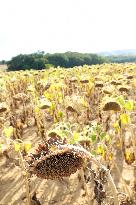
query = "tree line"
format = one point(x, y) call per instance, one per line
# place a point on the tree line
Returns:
point(39, 60)
point(122, 58)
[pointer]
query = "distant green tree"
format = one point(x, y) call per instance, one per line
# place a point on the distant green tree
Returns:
point(23, 62)
point(39, 60)
point(58, 59)
point(47, 66)
point(3, 62)
point(75, 60)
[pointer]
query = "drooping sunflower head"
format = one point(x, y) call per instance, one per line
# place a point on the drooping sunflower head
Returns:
point(54, 159)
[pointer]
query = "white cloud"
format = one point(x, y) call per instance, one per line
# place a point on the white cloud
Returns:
point(66, 25)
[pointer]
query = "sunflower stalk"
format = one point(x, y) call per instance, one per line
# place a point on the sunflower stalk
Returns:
point(93, 159)
point(26, 177)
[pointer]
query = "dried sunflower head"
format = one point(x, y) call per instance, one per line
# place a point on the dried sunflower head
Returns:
point(124, 89)
point(55, 159)
point(116, 82)
point(111, 105)
point(130, 77)
point(84, 80)
point(99, 84)
point(73, 80)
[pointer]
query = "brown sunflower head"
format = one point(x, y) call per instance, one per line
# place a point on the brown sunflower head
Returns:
point(124, 89)
point(55, 159)
point(99, 84)
point(111, 105)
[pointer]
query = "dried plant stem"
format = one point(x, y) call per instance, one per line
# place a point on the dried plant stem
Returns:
point(94, 160)
point(133, 140)
point(26, 176)
point(109, 177)
point(125, 185)
point(83, 181)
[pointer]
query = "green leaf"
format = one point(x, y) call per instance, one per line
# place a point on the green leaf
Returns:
point(27, 146)
point(98, 128)
point(125, 119)
point(60, 114)
point(37, 110)
point(8, 131)
point(94, 152)
point(102, 135)
point(52, 107)
point(75, 136)
point(93, 137)
point(100, 150)
point(120, 100)
point(116, 126)
point(129, 105)
point(17, 147)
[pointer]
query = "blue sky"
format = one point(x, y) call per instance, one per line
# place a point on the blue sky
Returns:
point(27, 26)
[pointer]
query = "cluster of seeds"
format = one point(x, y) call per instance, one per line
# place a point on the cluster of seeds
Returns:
point(52, 161)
